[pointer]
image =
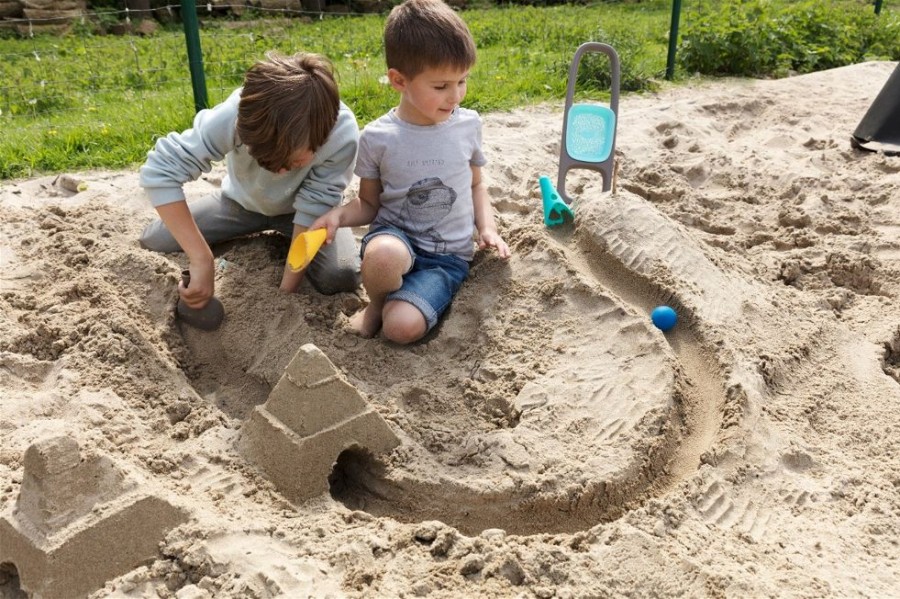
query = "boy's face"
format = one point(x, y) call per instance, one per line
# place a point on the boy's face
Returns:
point(298, 159)
point(431, 96)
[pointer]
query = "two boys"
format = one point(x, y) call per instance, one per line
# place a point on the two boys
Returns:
point(421, 189)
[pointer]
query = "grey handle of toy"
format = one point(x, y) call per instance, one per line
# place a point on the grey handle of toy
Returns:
point(185, 278)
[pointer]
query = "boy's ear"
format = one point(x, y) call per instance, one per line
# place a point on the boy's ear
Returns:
point(397, 79)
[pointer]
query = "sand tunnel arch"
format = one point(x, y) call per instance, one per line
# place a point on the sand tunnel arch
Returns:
point(9, 582)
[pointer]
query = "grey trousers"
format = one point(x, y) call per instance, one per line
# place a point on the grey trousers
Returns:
point(219, 218)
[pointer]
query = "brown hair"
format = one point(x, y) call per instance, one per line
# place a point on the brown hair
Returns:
point(426, 33)
point(288, 103)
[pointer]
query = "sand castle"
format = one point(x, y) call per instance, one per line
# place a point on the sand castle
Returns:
point(312, 415)
point(79, 521)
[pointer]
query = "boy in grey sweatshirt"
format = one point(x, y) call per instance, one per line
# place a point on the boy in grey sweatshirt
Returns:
point(289, 146)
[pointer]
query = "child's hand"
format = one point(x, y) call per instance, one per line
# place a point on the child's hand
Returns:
point(493, 239)
point(202, 286)
point(330, 221)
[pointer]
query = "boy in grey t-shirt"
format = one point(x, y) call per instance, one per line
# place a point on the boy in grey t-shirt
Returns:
point(420, 178)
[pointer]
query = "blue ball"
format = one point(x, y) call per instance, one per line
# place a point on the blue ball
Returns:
point(664, 317)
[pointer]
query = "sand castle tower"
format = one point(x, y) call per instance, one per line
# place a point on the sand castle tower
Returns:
point(311, 416)
point(79, 521)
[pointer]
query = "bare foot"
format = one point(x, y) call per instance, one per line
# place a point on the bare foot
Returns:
point(366, 322)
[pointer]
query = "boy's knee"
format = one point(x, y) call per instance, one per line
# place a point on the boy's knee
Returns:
point(403, 323)
point(341, 280)
point(386, 258)
point(386, 249)
point(157, 238)
point(147, 243)
point(402, 333)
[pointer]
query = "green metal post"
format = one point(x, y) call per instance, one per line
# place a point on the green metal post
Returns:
point(673, 39)
point(878, 7)
point(195, 55)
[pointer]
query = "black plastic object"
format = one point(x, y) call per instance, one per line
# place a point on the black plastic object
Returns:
point(207, 318)
point(879, 129)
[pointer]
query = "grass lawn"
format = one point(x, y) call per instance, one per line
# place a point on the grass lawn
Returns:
point(84, 101)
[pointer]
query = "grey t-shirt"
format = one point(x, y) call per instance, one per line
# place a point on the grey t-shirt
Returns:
point(426, 177)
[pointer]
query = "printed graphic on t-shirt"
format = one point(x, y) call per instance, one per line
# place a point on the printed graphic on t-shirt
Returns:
point(426, 204)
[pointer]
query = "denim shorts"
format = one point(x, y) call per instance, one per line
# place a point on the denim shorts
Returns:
point(431, 282)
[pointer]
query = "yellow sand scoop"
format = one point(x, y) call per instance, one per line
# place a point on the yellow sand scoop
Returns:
point(304, 248)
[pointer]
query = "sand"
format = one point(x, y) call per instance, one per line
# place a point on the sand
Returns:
point(553, 443)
